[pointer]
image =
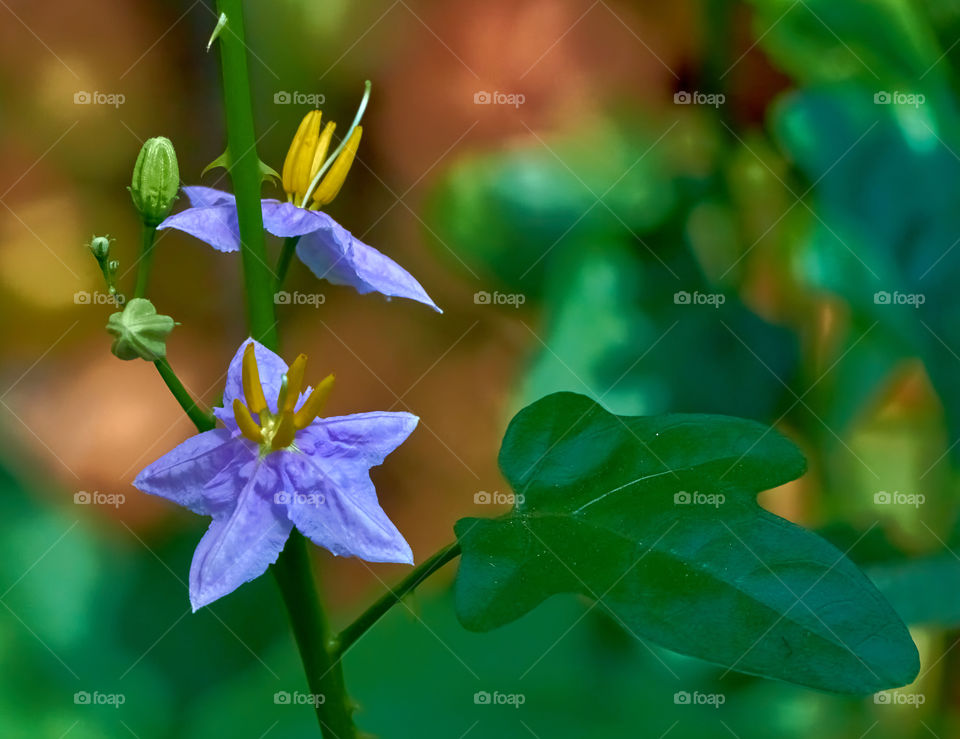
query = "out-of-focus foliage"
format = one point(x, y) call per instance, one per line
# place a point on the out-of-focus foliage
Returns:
point(618, 277)
point(508, 212)
point(87, 617)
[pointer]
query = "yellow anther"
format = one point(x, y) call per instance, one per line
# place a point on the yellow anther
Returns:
point(323, 147)
point(252, 389)
point(248, 427)
point(330, 185)
point(290, 389)
point(283, 436)
point(314, 404)
point(276, 431)
point(299, 162)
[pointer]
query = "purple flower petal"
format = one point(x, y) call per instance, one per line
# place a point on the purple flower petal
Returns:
point(366, 438)
point(203, 196)
point(286, 219)
point(212, 218)
point(329, 250)
point(182, 474)
point(242, 543)
point(333, 254)
point(220, 491)
point(215, 224)
point(334, 502)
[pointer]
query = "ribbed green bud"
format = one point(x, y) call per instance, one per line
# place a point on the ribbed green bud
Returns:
point(156, 179)
point(139, 331)
point(100, 247)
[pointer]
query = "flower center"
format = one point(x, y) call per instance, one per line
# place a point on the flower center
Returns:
point(275, 431)
point(307, 171)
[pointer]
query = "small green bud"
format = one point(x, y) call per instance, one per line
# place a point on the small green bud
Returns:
point(100, 247)
point(156, 179)
point(139, 331)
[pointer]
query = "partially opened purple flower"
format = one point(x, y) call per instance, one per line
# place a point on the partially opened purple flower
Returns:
point(310, 181)
point(277, 465)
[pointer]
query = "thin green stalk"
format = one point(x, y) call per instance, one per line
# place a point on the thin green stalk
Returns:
point(148, 235)
point(203, 420)
point(375, 612)
point(318, 651)
point(283, 264)
point(244, 168)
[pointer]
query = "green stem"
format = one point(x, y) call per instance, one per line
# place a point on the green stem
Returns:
point(283, 264)
point(148, 235)
point(375, 612)
point(244, 168)
point(203, 420)
point(318, 649)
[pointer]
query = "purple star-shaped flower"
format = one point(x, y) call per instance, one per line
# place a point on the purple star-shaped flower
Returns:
point(330, 251)
point(259, 480)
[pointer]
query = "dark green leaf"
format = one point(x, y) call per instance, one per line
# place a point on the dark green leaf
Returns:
point(729, 582)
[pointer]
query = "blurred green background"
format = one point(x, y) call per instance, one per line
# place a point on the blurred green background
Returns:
point(740, 208)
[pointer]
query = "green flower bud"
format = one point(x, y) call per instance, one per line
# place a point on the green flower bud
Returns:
point(139, 331)
point(100, 247)
point(156, 179)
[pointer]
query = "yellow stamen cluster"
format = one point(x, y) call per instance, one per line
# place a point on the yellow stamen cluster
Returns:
point(307, 155)
point(274, 431)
